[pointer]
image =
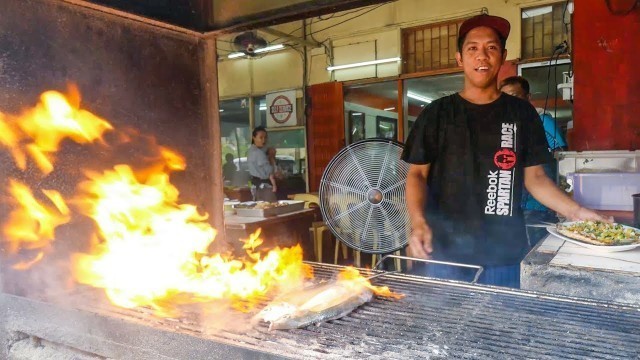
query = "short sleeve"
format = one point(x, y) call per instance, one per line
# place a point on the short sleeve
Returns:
point(554, 136)
point(421, 147)
point(536, 151)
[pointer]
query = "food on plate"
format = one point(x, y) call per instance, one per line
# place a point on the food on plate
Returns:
point(259, 205)
point(600, 233)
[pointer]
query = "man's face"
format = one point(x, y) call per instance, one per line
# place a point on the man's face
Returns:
point(481, 57)
point(515, 90)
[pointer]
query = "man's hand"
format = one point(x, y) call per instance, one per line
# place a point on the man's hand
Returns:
point(581, 213)
point(420, 241)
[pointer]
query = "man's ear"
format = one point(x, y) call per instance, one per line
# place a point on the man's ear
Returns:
point(459, 58)
point(504, 55)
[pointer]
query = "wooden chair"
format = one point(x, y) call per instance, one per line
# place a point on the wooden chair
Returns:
point(317, 229)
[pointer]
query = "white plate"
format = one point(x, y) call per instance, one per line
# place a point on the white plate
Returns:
point(605, 248)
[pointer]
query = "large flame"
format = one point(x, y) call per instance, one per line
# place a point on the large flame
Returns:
point(154, 250)
point(38, 132)
point(32, 223)
point(149, 249)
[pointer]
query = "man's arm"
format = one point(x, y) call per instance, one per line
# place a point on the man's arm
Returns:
point(545, 191)
point(420, 240)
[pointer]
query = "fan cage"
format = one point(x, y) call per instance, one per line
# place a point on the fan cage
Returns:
point(362, 196)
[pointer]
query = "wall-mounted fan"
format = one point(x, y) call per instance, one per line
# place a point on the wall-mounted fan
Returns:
point(248, 42)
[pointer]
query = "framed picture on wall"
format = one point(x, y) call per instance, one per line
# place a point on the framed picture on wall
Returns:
point(357, 130)
point(386, 128)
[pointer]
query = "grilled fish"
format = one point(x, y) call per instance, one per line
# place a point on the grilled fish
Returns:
point(315, 304)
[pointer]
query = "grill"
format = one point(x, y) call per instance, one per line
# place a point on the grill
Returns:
point(435, 320)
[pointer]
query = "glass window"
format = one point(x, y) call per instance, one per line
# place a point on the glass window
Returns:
point(356, 126)
point(544, 78)
point(236, 137)
point(260, 110)
point(430, 47)
point(291, 157)
point(422, 91)
point(544, 28)
point(364, 104)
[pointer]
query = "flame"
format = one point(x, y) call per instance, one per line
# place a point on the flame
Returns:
point(149, 249)
point(39, 131)
point(352, 275)
point(32, 223)
point(154, 250)
point(24, 265)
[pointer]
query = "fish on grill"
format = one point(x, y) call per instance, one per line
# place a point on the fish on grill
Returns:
point(315, 304)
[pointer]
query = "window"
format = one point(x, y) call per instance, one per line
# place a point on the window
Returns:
point(422, 91)
point(386, 128)
point(236, 135)
point(356, 127)
point(430, 47)
point(544, 28)
point(544, 78)
point(260, 110)
point(291, 154)
point(363, 104)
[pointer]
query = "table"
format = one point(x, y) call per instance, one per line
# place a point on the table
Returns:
point(561, 267)
point(281, 230)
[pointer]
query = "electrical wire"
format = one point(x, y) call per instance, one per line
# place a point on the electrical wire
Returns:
point(349, 19)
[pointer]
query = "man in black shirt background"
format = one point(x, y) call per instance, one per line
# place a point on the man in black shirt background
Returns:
point(470, 154)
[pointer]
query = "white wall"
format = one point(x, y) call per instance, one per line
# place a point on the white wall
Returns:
point(374, 35)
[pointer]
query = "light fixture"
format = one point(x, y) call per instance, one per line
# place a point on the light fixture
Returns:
point(235, 55)
point(364, 63)
point(269, 48)
point(389, 108)
point(221, 110)
point(418, 97)
point(263, 107)
point(529, 13)
point(356, 114)
point(258, 51)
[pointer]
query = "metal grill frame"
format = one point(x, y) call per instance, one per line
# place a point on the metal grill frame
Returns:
point(437, 319)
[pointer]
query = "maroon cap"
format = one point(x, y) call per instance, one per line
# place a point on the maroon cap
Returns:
point(500, 25)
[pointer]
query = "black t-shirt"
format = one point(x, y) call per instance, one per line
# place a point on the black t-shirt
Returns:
point(477, 154)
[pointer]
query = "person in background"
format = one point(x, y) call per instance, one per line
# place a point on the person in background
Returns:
point(229, 168)
point(261, 168)
point(534, 211)
point(470, 154)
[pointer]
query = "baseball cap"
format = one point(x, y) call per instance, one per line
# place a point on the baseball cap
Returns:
point(500, 25)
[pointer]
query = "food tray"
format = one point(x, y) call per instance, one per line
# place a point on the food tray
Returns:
point(286, 207)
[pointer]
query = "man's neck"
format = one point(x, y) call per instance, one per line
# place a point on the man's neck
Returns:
point(480, 96)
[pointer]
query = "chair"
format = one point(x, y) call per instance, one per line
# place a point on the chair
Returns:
point(317, 229)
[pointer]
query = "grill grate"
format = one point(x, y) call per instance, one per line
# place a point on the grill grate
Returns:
point(444, 320)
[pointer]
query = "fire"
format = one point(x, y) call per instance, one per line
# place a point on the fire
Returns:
point(353, 275)
point(39, 132)
point(149, 249)
point(154, 249)
point(32, 223)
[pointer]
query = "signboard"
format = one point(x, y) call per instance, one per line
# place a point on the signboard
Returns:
point(281, 109)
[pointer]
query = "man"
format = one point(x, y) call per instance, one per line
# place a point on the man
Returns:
point(470, 154)
point(534, 211)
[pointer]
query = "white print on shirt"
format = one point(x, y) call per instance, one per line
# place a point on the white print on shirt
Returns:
point(500, 188)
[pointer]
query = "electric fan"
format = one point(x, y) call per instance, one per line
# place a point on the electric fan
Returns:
point(362, 196)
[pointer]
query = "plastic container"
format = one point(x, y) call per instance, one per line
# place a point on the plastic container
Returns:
point(605, 191)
